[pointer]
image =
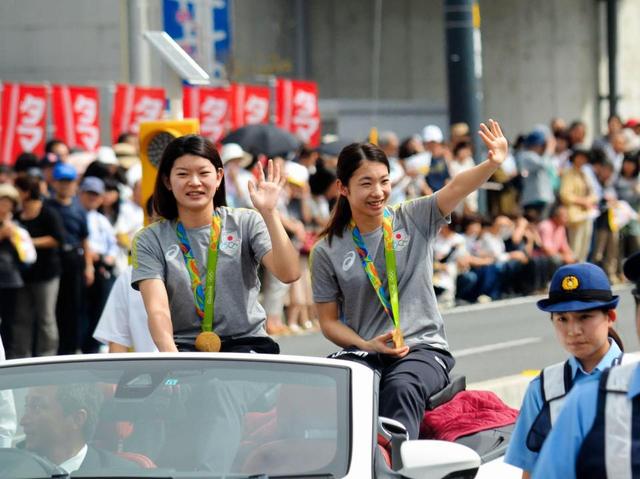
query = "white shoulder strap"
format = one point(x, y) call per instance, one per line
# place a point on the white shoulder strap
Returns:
point(554, 388)
point(618, 422)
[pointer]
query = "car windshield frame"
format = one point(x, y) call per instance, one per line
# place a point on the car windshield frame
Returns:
point(139, 378)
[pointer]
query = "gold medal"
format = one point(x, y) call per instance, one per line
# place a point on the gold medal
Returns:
point(208, 342)
point(397, 338)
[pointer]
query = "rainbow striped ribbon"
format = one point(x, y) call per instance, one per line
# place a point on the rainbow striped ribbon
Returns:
point(390, 303)
point(204, 295)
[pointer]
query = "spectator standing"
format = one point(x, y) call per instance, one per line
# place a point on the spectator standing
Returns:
point(576, 194)
point(438, 175)
point(389, 143)
point(104, 251)
point(537, 187)
point(462, 161)
point(627, 187)
point(234, 161)
point(36, 332)
point(16, 250)
point(76, 258)
point(553, 237)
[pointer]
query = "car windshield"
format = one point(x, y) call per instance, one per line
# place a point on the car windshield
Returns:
point(174, 418)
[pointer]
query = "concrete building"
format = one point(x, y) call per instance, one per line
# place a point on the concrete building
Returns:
point(540, 59)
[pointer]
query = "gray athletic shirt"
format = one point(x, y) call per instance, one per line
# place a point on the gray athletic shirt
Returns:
point(338, 276)
point(244, 240)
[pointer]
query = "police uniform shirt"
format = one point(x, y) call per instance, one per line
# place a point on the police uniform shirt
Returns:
point(519, 454)
point(244, 240)
point(560, 451)
point(338, 276)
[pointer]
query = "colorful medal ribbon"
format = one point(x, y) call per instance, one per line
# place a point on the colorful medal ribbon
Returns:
point(204, 296)
point(390, 303)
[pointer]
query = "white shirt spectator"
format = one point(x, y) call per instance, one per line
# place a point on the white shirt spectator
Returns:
point(102, 236)
point(124, 319)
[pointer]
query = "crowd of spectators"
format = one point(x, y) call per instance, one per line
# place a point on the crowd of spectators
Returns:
point(67, 221)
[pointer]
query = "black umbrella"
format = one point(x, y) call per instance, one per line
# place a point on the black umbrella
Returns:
point(264, 139)
point(333, 148)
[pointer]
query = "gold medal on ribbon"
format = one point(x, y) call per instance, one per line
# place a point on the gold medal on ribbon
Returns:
point(208, 342)
point(397, 338)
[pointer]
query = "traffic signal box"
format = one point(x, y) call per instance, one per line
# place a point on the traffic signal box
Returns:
point(154, 137)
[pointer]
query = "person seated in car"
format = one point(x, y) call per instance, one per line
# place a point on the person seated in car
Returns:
point(58, 423)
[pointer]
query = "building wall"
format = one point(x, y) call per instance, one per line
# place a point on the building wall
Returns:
point(540, 59)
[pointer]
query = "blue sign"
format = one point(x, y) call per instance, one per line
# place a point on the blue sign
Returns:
point(202, 28)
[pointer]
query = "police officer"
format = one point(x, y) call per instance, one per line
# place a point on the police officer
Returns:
point(596, 413)
point(582, 311)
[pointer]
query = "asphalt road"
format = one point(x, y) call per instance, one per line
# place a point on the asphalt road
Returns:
point(494, 340)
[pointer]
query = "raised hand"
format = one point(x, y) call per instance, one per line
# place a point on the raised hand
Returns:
point(494, 140)
point(266, 193)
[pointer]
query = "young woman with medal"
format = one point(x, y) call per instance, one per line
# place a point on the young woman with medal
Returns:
point(371, 275)
point(197, 268)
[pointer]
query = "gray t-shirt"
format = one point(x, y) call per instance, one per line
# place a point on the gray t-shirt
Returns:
point(338, 276)
point(244, 241)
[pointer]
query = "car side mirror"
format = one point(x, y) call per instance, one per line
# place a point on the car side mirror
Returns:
point(423, 459)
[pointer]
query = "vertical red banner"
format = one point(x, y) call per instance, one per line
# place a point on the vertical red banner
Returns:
point(76, 116)
point(211, 106)
point(250, 105)
point(133, 105)
point(22, 121)
point(297, 109)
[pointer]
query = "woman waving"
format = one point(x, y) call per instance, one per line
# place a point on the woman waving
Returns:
point(371, 275)
point(197, 268)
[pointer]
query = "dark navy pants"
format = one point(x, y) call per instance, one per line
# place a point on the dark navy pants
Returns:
point(406, 383)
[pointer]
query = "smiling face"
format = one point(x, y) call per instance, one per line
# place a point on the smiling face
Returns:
point(584, 334)
point(193, 181)
point(368, 190)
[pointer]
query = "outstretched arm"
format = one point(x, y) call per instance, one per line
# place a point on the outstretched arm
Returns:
point(470, 180)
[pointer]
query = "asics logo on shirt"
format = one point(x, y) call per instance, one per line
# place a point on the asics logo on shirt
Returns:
point(348, 261)
point(172, 252)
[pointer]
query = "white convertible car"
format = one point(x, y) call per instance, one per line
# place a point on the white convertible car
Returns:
point(214, 416)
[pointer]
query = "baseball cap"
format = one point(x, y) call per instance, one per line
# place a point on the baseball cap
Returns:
point(535, 138)
point(296, 173)
point(92, 184)
point(233, 151)
point(9, 191)
point(432, 133)
point(64, 172)
point(578, 287)
point(106, 155)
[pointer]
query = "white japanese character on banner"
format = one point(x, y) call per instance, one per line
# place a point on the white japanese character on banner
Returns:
point(305, 119)
point(213, 113)
point(256, 109)
point(30, 131)
point(87, 108)
point(146, 109)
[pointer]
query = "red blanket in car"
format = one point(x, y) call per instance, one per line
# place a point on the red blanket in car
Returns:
point(467, 413)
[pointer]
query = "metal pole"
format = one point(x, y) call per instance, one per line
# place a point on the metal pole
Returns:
point(139, 64)
point(612, 51)
point(463, 74)
point(302, 39)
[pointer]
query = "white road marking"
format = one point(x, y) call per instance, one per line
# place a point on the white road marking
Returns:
point(494, 347)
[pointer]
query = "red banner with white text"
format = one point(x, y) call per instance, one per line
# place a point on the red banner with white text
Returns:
point(76, 116)
point(211, 106)
point(297, 109)
point(250, 105)
point(133, 105)
point(22, 121)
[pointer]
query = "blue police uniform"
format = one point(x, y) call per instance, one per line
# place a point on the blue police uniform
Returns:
point(579, 287)
point(519, 453)
point(595, 410)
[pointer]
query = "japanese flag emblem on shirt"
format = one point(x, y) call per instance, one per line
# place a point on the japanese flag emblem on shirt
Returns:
point(400, 239)
point(230, 242)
